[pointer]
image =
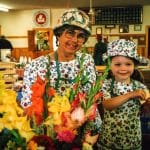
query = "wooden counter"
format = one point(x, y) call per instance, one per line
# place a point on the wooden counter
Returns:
point(146, 74)
point(7, 69)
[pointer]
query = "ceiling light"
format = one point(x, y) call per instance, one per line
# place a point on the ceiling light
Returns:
point(91, 13)
point(4, 9)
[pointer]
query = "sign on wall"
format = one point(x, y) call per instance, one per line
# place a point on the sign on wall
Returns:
point(41, 18)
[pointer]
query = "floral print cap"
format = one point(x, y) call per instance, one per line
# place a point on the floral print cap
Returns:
point(123, 47)
point(74, 17)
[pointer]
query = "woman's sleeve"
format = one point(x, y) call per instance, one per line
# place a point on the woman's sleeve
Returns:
point(89, 71)
point(28, 79)
point(36, 67)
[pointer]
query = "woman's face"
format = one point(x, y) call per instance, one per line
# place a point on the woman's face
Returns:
point(71, 40)
point(122, 68)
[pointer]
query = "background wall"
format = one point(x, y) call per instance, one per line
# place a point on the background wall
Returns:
point(15, 25)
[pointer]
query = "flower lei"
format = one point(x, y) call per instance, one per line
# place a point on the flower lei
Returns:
point(61, 116)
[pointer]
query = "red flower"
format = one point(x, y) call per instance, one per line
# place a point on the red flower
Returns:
point(75, 102)
point(79, 98)
point(66, 136)
point(43, 140)
point(91, 113)
point(98, 96)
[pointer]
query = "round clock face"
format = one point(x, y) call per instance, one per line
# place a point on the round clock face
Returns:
point(41, 18)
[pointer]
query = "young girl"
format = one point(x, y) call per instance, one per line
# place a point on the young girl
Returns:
point(121, 128)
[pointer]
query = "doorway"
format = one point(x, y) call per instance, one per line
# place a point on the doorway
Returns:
point(148, 41)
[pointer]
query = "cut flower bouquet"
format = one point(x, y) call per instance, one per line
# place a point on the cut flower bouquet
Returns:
point(67, 118)
point(56, 121)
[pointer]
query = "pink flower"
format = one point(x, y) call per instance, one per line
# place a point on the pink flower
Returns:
point(78, 115)
point(66, 136)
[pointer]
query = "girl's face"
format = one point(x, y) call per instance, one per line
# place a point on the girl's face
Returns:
point(122, 68)
point(71, 41)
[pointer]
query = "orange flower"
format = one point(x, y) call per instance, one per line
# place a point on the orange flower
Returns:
point(67, 122)
point(51, 91)
point(36, 109)
point(38, 87)
point(32, 145)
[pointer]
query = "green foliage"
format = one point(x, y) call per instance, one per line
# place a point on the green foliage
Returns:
point(12, 139)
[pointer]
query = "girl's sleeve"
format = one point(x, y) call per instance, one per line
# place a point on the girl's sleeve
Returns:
point(106, 89)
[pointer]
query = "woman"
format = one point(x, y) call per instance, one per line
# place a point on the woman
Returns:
point(65, 63)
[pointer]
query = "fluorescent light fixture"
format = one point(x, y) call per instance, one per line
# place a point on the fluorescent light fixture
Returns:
point(3, 8)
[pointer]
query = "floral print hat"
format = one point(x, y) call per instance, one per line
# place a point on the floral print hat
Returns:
point(124, 47)
point(74, 17)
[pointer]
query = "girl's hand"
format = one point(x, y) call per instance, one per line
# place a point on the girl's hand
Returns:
point(147, 95)
point(139, 93)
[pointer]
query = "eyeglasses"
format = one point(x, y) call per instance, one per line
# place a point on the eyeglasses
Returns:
point(81, 36)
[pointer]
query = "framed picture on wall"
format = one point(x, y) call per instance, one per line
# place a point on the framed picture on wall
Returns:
point(43, 39)
point(99, 30)
point(137, 27)
point(123, 28)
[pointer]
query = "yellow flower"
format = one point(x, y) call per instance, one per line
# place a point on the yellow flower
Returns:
point(58, 105)
point(91, 138)
point(87, 146)
point(2, 85)
point(7, 121)
point(13, 114)
point(26, 130)
point(68, 92)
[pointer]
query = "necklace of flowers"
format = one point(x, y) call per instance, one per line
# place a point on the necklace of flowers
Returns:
point(58, 72)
